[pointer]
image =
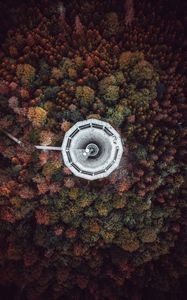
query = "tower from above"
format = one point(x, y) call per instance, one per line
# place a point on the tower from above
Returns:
point(92, 149)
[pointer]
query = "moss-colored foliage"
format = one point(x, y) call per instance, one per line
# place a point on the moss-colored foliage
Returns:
point(128, 59)
point(142, 71)
point(108, 88)
point(56, 73)
point(103, 209)
point(51, 92)
point(147, 235)
point(86, 201)
point(73, 116)
point(120, 78)
point(85, 95)
point(117, 115)
point(105, 83)
point(142, 74)
point(37, 116)
point(112, 93)
point(44, 72)
point(140, 153)
point(68, 68)
point(137, 94)
point(34, 136)
point(128, 240)
point(26, 73)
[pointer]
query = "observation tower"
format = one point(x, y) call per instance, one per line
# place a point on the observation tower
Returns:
point(92, 149)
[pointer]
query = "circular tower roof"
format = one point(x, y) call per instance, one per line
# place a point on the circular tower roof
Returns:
point(92, 149)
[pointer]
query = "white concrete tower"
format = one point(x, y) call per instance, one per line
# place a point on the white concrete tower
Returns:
point(92, 149)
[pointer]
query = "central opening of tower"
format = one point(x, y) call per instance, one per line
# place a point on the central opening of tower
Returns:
point(91, 150)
